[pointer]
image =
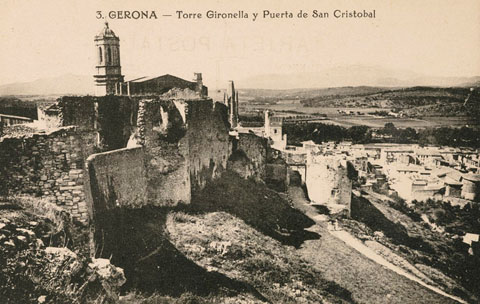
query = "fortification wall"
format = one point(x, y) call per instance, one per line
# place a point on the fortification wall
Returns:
point(49, 165)
point(208, 141)
point(113, 117)
point(116, 179)
point(161, 129)
point(327, 180)
point(115, 120)
point(77, 111)
point(277, 176)
point(255, 149)
point(239, 163)
point(186, 144)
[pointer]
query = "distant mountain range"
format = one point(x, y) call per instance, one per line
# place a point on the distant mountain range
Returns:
point(71, 84)
point(68, 84)
point(353, 76)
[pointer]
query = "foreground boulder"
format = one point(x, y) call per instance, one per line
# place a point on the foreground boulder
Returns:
point(33, 273)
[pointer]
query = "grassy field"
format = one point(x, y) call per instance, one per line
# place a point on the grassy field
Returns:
point(423, 106)
point(417, 123)
point(238, 234)
point(368, 120)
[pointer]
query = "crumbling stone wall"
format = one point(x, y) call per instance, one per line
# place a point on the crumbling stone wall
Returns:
point(255, 148)
point(208, 141)
point(277, 176)
point(77, 111)
point(239, 163)
point(328, 180)
point(49, 165)
point(116, 179)
point(161, 128)
point(52, 164)
point(115, 121)
point(186, 144)
point(113, 117)
point(276, 170)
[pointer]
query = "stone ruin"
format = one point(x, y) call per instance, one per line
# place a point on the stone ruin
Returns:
point(329, 181)
point(96, 154)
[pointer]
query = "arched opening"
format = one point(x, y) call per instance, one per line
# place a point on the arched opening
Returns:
point(100, 55)
point(109, 55)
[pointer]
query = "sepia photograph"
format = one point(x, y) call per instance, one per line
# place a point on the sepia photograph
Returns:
point(216, 151)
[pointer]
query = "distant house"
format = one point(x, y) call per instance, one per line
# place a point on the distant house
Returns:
point(453, 188)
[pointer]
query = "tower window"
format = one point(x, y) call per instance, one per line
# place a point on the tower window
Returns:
point(109, 55)
point(100, 54)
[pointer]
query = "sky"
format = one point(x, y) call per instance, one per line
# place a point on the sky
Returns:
point(47, 38)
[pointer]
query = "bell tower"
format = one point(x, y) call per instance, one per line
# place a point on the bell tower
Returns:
point(108, 69)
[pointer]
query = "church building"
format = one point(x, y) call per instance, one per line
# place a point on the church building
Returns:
point(110, 81)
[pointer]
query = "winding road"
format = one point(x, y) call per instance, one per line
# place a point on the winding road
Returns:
point(300, 202)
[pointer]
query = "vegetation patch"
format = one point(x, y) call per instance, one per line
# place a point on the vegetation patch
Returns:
point(222, 243)
point(443, 259)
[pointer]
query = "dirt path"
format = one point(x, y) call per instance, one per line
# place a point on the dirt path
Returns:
point(369, 253)
point(347, 261)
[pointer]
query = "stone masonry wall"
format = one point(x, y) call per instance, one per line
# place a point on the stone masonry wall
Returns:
point(327, 180)
point(276, 176)
point(186, 144)
point(208, 141)
point(161, 128)
point(255, 149)
point(113, 117)
point(49, 165)
point(77, 111)
point(116, 179)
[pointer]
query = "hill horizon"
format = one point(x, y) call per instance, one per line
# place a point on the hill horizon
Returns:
point(338, 77)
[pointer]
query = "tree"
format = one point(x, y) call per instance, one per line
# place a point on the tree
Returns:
point(358, 134)
point(389, 129)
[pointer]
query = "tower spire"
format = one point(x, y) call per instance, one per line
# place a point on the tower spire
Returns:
point(108, 69)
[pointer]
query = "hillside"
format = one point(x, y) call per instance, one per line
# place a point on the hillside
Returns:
point(241, 242)
point(414, 101)
point(238, 242)
point(406, 240)
point(298, 94)
point(68, 84)
point(408, 98)
point(43, 257)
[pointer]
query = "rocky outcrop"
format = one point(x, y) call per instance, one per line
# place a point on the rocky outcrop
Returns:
point(34, 273)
